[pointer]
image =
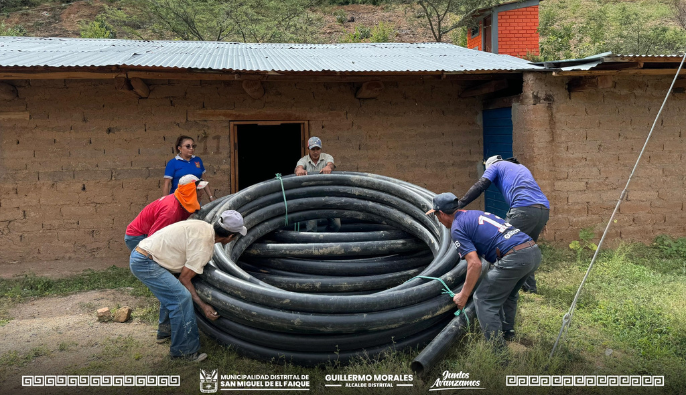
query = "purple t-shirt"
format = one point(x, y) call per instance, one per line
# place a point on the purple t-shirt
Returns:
point(516, 184)
point(475, 230)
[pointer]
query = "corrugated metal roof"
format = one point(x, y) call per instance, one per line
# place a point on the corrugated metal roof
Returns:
point(354, 58)
point(607, 59)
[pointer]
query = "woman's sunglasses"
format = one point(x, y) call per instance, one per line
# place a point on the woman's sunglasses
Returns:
point(194, 146)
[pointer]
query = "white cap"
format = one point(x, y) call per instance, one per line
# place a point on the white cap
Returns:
point(493, 159)
point(233, 222)
point(188, 178)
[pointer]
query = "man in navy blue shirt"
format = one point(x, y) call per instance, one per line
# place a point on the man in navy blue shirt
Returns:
point(529, 208)
point(513, 254)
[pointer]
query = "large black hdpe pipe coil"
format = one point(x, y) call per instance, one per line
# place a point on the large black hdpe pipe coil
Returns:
point(311, 298)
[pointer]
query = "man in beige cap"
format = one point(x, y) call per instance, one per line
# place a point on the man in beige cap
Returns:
point(183, 248)
point(317, 162)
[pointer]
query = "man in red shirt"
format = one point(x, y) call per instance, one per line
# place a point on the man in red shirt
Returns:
point(165, 211)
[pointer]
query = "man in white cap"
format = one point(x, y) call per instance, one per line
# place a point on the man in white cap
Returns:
point(317, 162)
point(183, 248)
point(165, 211)
point(529, 207)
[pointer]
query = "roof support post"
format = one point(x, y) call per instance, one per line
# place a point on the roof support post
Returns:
point(253, 88)
point(7, 91)
point(140, 87)
point(370, 90)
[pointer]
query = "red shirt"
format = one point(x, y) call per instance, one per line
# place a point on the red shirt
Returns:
point(156, 215)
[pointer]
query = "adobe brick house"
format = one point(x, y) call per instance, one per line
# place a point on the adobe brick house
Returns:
point(83, 146)
point(87, 126)
point(508, 29)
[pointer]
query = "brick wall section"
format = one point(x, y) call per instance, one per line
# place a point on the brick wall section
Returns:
point(518, 32)
point(79, 160)
point(475, 42)
point(581, 149)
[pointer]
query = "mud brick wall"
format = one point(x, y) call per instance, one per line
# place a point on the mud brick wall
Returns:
point(79, 159)
point(582, 146)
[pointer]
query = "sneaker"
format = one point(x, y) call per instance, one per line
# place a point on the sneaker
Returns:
point(509, 336)
point(162, 339)
point(195, 357)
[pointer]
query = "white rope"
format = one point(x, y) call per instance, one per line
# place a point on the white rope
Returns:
point(567, 318)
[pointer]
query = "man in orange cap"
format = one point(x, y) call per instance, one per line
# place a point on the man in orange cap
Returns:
point(165, 211)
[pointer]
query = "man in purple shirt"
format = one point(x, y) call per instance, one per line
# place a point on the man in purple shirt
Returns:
point(513, 254)
point(529, 208)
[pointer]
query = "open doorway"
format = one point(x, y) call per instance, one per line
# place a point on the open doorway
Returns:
point(262, 149)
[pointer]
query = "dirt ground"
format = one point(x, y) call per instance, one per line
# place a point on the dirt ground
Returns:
point(61, 335)
point(56, 19)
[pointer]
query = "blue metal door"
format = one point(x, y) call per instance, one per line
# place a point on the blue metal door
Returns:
point(497, 141)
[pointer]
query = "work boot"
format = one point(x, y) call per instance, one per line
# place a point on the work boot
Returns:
point(509, 336)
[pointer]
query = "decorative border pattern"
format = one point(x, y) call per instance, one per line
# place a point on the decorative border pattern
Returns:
point(585, 381)
point(100, 381)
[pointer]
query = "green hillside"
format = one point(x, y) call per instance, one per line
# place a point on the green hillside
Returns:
point(568, 28)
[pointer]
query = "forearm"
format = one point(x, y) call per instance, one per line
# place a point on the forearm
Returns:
point(473, 274)
point(191, 288)
point(166, 187)
point(474, 192)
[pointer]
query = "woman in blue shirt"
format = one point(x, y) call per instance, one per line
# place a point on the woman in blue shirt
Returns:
point(184, 163)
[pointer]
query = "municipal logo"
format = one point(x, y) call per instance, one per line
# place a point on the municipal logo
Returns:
point(208, 381)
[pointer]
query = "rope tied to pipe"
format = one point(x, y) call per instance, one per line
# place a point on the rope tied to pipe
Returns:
point(446, 291)
point(285, 203)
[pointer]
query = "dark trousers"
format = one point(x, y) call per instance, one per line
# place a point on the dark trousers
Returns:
point(531, 221)
point(497, 294)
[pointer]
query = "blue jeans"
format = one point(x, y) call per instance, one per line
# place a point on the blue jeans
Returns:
point(176, 305)
point(132, 241)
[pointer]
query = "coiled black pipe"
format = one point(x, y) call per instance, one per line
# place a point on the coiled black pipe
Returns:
point(262, 316)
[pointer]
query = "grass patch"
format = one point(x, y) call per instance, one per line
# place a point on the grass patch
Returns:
point(66, 346)
point(149, 314)
point(34, 286)
point(13, 358)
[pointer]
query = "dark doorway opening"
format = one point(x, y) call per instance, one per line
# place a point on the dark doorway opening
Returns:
point(262, 150)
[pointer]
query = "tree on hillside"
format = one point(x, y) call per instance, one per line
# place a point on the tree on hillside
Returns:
point(221, 20)
point(444, 16)
point(621, 28)
point(679, 8)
